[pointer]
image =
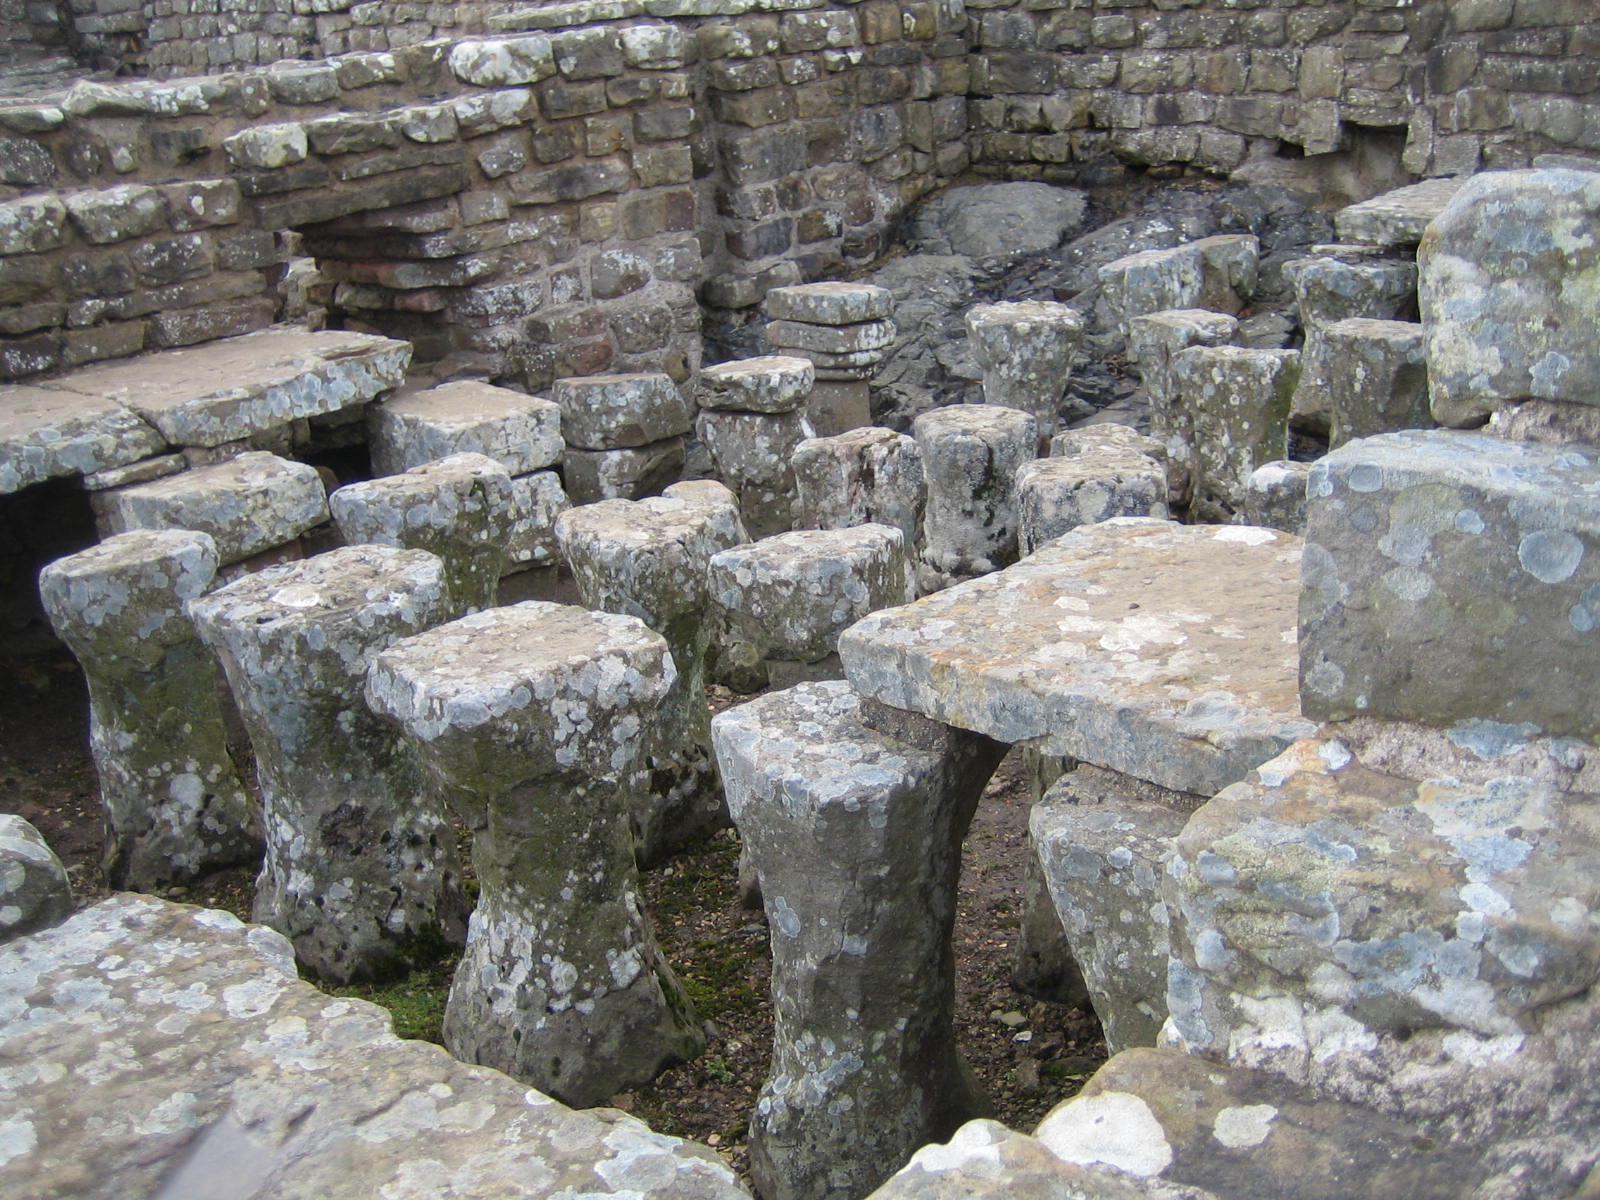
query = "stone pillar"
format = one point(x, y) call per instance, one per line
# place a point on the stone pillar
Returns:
point(1055, 495)
point(1026, 351)
point(174, 805)
point(1153, 340)
point(1238, 404)
point(844, 329)
point(534, 717)
point(648, 559)
point(459, 508)
point(856, 834)
point(624, 434)
point(751, 418)
point(860, 476)
point(1381, 383)
point(970, 456)
point(34, 889)
point(360, 871)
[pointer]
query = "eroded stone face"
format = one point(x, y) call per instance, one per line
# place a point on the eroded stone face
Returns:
point(860, 476)
point(34, 889)
point(1026, 350)
point(521, 432)
point(45, 434)
point(970, 456)
point(1330, 289)
point(829, 303)
point(1216, 273)
point(1056, 495)
point(1381, 381)
point(616, 412)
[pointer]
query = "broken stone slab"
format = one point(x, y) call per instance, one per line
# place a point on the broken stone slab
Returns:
point(536, 501)
point(216, 1068)
point(174, 806)
point(788, 597)
point(1153, 341)
point(1105, 438)
point(630, 474)
point(1397, 218)
point(620, 412)
point(648, 559)
point(863, 338)
point(970, 456)
point(229, 389)
point(1275, 496)
point(1055, 495)
point(459, 508)
point(1026, 350)
point(770, 384)
point(1102, 839)
point(855, 833)
point(1121, 644)
point(1510, 270)
point(829, 303)
point(47, 434)
point(1381, 384)
point(520, 432)
point(360, 870)
point(1403, 532)
point(142, 471)
point(34, 889)
point(1238, 402)
point(247, 504)
point(751, 452)
point(1215, 273)
point(859, 476)
point(534, 717)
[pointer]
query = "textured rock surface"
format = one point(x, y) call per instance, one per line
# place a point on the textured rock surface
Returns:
point(174, 805)
point(1327, 289)
point(34, 889)
point(1026, 350)
point(520, 432)
point(1275, 496)
point(1238, 403)
point(360, 870)
point(1396, 218)
point(1453, 577)
point(829, 303)
point(632, 474)
point(856, 835)
point(648, 559)
point(247, 504)
point(970, 456)
point(45, 434)
point(1188, 689)
point(619, 412)
point(772, 383)
point(216, 1072)
point(863, 475)
point(1510, 293)
point(536, 501)
point(1381, 383)
point(1153, 341)
point(1216, 273)
point(533, 717)
point(998, 220)
point(459, 508)
point(1055, 495)
point(751, 451)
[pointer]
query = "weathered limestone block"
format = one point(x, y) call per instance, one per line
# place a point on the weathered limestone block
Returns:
point(1055, 495)
point(247, 504)
point(773, 383)
point(1330, 288)
point(520, 432)
point(1122, 644)
point(360, 870)
point(630, 474)
point(1510, 293)
point(829, 303)
point(970, 456)
point(1238, 402)
point(648, 559)
point(216, 1071)
point(1026, 350)
point(1453, 577)
point(174, 805)
point(34, 889)
point(1216, 273)
point(1101, 838)
point(832, 340)
point(533, 717)
point(1381, 381)
point(1397, 218)
point(788, 597)
point(459, 508)
point(536, 501)
point(619, 412)
point(751, 451)
point(864, 475)
point(1153, 341)
point(855, 832)
point(1275, 496)
point(45, 434)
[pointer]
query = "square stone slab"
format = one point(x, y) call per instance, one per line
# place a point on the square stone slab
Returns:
point(1396, 218)
point(45, 433)
point(1163, 651)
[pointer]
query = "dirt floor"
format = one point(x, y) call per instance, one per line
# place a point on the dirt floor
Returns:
point(1029, 1054)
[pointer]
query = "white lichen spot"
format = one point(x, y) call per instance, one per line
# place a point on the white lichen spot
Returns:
point(1550, 556)
point(1114, 1128)
point(1243, 1126)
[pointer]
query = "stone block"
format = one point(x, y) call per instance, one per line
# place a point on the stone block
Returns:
point(503, 62)
point(1330, 288)
point(769, 384)
point(830, 303)
point(1216, 273)
point(630, 474)
point(1381, 381)
point(34, 889)
point(1396, 218)
point(1238, 403)
point(1026, 350)
point(618, 412)
point(866, 336)
point(751, 451)
point(970, 457)
point(1274, 496)
point(45, 434)
point(536, 501)
point(861, 476)
point(1055, 495)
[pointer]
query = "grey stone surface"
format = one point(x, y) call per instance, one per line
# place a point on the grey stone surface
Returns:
point(360, 870)
point(174, 805)
point(1275, 496)
point(1510, 292)
point(829, 303)
point(772, 383)
point(1238, 404)
point(1396, 218)
point(536, 501)
point(620, 412)
point(1026, 349)
point(1055, 495)
point(1189, 690)
point(216, 1072)
point(631, 474)
point(247, 504)
point(521, 432)
point(45, 434)
point(1153, 341)
point(856, 835)
point(863, 475)
point(970, 456)
point(34, 889)
point(1399, 617)
point(1216, 273)
point(459, 508)
point(648, 559)
point(533, 717)
point(751, 452)
point(1381, 383)
point(998, 220)
point(857, 345)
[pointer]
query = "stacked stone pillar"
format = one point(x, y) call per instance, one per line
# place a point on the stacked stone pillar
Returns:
point(1026, 350)
point(752, 416)
point(845, 329)
point(1153, 341)
point(970, 457)
point(534, 717)
point(624, 434)
point(175, 807)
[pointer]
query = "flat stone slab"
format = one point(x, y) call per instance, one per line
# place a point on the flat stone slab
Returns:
point(45, 434)
point(1163, 651)
point(1396, 218)
point(226, 390)
point(156, 1050)
point(520, 432)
